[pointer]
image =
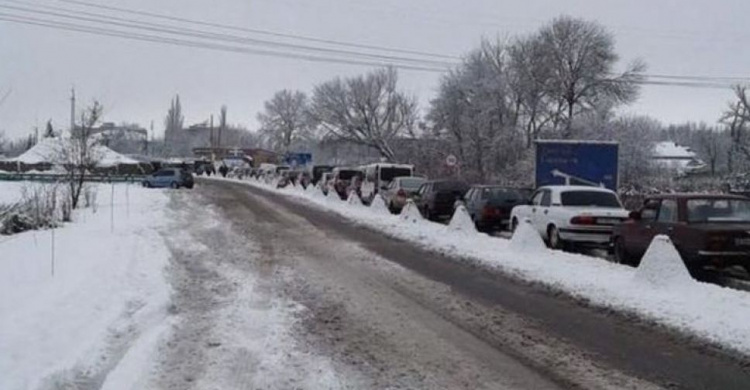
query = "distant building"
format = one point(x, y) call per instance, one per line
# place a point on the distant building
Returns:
point(679, 159)
point(124, 138)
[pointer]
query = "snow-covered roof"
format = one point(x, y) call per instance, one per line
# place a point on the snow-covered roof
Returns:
point(48, 150)
point(671, 150)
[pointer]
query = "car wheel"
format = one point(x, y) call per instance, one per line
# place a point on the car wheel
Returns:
point(621, 253)
point(553, 238)
point(146, 184)
point(174, 185)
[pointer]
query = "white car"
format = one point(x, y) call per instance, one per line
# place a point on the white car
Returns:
point(569, 216)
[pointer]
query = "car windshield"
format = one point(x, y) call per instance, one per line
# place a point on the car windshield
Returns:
point(451, 186)
point(718, 210)
point(347, 174)
point(411, 183)
point(590, 199)
point(506, 195)
point(388, 173)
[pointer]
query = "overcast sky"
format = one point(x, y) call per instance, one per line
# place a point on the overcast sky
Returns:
point(136, 80)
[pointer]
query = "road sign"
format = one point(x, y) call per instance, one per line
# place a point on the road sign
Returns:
point(451, 160)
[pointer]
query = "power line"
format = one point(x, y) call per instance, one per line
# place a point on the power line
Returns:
point(259, 31)
point(416, 64)
point(153, 27)
point(195, 44)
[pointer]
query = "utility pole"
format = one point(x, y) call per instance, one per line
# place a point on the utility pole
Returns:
point(72, 110)
point(211, 136)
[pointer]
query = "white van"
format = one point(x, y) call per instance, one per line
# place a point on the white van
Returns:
point(378, 176)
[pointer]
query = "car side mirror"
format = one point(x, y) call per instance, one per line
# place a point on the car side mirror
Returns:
point(635, 215)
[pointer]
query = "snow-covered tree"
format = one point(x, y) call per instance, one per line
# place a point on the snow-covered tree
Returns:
point(286, 119)
point(367, 110)
point(582, 58)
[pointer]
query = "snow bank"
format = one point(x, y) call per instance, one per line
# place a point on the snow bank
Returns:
point(662, 266)
point(107, 291)
point(354, 199)
point(712, 313)
point(461, 221)
point(378, 205)
point(527, 239)
point(410, 213)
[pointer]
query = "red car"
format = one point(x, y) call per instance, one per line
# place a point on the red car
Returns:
point(705, 229)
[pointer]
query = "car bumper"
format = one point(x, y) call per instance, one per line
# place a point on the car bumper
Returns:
point(587, 236)
point(722, 258)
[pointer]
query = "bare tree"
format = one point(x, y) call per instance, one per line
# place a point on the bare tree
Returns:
point(79, 155)
point(286, 118)
point(582, 57)
point(737, 119)
point(367, 110)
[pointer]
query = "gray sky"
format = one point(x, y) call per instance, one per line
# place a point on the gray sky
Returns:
point(136, 80)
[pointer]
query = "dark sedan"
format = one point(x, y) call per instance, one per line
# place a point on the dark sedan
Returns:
point(490, 206)
point(435, 199)
point(705, 229)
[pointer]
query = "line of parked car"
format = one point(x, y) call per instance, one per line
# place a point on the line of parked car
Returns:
point(707, 230)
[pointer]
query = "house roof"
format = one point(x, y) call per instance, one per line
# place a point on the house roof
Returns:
point(671, 150)
point(49, 150)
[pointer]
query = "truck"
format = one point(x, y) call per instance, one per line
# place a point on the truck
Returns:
point(588, 163)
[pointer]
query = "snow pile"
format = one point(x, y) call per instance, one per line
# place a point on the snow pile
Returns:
point(662, 266)
point(378, 205)
point(709, 312)
point(410, 212)
point(106, 298)
point(527, 240)
point(354, 199)
point(461, 221)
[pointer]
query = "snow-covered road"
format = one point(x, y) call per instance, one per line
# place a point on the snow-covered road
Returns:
point(235, 287)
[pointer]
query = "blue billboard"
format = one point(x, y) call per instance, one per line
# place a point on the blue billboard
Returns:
point(295, 160)
point(576, 163)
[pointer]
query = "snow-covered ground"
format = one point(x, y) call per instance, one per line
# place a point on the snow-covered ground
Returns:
point(709, 312)
point(85, 303)
point(11, 191)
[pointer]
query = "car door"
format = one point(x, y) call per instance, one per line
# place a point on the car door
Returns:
point(419, 198)
point(533, 208)
point(640, 234)
point(667, 218)
point(469, 202)
point(158, 180)
point(542, 217)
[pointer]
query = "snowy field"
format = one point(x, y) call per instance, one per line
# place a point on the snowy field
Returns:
point(660, 290)
point(85, 303)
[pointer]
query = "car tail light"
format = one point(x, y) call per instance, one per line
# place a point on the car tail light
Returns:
point(401, 192)
point(583, 220)
point(488, 211)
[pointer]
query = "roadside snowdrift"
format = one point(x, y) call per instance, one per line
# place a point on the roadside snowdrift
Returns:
point(103, 309)
point(708, 312)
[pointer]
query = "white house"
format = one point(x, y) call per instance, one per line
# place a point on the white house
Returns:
point(677, 158)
